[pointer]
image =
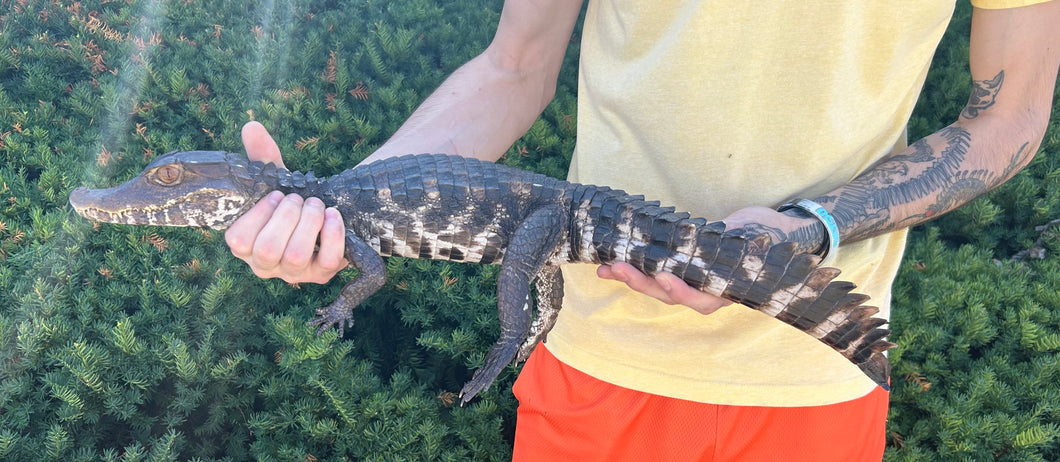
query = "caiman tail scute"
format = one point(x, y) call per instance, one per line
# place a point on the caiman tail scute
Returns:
point(792, 288)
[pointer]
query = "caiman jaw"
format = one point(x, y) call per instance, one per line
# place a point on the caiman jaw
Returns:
point(212, 208)
point(203, 189)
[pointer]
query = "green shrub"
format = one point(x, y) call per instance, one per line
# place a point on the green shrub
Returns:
point(138, 343)
point(978, 332)
point(126, 343)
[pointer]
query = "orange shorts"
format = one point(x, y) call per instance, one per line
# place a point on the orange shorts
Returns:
point(566, 415)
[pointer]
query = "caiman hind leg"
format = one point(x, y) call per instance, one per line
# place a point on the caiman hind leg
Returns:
point(549, 288)
point(534, 241)
point(371, 278)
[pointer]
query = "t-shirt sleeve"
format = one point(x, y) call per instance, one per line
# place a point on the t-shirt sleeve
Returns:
point(999, 4)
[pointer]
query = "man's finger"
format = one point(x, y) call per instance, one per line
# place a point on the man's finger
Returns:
point(300, 248)
point(332, 242)
point(244, 231)
point(633, 278)
point(666, 287)
point(272, 240)
point(683, 294)
point(259, 144)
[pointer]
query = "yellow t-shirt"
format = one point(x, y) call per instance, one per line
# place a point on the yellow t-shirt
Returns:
point(715, 106)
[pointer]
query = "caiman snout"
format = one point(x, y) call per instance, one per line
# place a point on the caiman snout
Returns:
point(108, 206)
point(77, 198)
point(195, 189)
point(82, 198)
point(86, 202)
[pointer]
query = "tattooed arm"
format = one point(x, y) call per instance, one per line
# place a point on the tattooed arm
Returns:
point(1014, 55)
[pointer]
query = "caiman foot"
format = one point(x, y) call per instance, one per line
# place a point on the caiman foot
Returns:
point(373, 275)
point(499, 356)
point(334, 314)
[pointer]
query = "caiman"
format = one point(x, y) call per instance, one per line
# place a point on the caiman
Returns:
point(452, 208)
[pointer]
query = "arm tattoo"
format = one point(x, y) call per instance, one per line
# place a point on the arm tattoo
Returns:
point(1022, 157)
point(864, 206)
point(809, 238)
point(984, 92)
point(926, 180)
point(965, 188)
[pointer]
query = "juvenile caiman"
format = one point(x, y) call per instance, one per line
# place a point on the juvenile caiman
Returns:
point(457, 209)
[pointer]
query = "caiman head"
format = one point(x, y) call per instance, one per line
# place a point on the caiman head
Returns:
point(189, 188)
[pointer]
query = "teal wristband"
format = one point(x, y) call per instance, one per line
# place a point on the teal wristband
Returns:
point(831, 228)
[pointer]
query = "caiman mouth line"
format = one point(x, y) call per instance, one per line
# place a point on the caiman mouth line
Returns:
point(205, 207)
point(105, 216)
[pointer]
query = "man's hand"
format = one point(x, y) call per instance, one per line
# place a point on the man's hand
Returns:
point(664, 286)
point(752, 220)
point(278, 235)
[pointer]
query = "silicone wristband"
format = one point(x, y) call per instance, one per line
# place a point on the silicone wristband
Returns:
point(831, 228)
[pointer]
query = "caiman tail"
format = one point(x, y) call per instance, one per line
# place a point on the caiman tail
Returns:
point(611, 226)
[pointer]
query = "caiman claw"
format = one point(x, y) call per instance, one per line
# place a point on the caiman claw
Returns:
point(331, 315)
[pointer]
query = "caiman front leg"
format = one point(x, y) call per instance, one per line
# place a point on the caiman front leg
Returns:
point(371, 278)
point(533, 242)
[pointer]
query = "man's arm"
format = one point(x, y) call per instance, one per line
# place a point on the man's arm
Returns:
point(492, 100)
point(1014, 56)
point(479, 111)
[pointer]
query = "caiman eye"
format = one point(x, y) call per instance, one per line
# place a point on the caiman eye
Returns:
point(169, 174)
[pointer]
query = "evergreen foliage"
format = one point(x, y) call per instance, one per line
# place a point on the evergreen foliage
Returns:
point(139, 343)
point(975, 315)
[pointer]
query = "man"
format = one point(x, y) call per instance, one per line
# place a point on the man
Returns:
point(725, 109)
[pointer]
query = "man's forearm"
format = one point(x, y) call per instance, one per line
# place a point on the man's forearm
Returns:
point(931, 177)
point(479, 111)
point(1014, 54)
point(1013, 57)
point(934, 175)
point(488, 103)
